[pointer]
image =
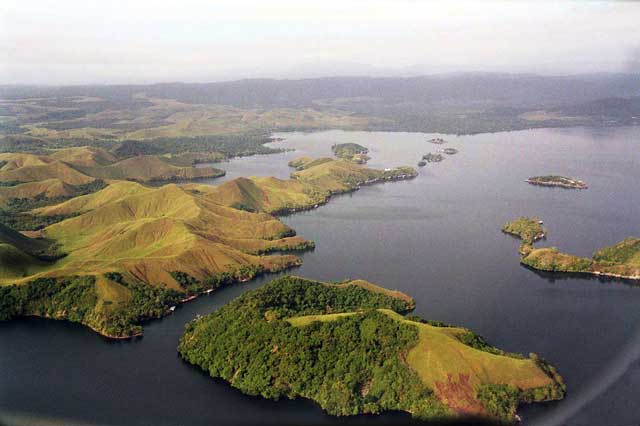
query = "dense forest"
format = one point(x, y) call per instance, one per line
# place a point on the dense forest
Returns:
point(336, 344)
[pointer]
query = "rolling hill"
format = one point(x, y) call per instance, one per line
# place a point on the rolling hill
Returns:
point(313, 184)
point(160, 245)
point(147, 168)
point(349, 348)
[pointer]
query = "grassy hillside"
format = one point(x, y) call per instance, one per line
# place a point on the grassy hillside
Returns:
point(165, 244)
point(348, 348)
point(179, 240)
point(621, 260)
point(81, 165)
point(146, 168)
point(49, 188)
point(147, 233)
point(85, 156)
point(311, 185)
point(29, 168)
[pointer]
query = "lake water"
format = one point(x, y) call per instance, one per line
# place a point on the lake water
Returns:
point(437, 238)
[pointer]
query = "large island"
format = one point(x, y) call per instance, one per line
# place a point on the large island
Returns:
point(621, 260)
point(349, 347)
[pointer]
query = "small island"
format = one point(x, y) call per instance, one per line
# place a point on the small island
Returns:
point(450, 151)
point(351, 152)
point(432, 158)
point(557, 181)
point(529, 230)
point(350, 347)
point(437, 141)
point(622, 260)
point(422, 163)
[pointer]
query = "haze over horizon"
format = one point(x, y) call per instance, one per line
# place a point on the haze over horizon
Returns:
point(122, 42)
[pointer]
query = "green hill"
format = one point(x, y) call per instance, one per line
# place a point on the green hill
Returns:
point(349, 348)
point(169, 243)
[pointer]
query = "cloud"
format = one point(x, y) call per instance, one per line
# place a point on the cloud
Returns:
point(73, 41)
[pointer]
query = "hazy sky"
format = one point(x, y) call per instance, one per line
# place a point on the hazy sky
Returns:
point(134, 41)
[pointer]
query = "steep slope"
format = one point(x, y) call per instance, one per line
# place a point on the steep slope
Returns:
point(30, 168)
point(23, 243)
point(312, 185)
point(49, 188)
point(149, 233)
point(18, 253)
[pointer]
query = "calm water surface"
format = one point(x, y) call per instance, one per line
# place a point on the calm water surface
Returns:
point(436, 238)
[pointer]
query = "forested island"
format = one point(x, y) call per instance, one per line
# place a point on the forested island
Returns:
point(557, 181)
point(82, 239)
point(349, 347)
point(351, 152)
point(621, 260)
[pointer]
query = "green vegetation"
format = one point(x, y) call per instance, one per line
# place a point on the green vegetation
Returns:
point(183, 239)
point(347, 347)
point(302, 163)
point(529, 230)
point(312, 184)
point(351, 152)
point(557, 181)
point(16, 211)
point(621, 260)
point(107, 304)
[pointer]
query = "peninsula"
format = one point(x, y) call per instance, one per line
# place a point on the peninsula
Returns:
point(622, 260)
point(350, 348)
point(557, 181)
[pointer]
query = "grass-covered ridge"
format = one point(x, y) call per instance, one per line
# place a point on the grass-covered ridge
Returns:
point(349, 348)
point(621, 260)
point(312, 184)
point(182, 239)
